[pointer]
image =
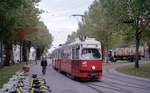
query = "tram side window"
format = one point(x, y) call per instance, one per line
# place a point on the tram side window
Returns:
point(62, 52)
point(89, 53)
point(69, 54)
point(66, 54)
point(56, 55)
point(75, 53)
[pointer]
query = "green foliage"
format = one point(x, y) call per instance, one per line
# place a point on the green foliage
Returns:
point(41, 38)
point(17, 13)
point(7, 16)
point(139, 11)
point(26, 14)
point(104, 21)
point(71, 37)
point(23, 13)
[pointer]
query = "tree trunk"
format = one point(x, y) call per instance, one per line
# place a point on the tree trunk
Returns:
point(24, 52)
point(29, 49)
point(42, 51)
point(137, 48)
point(9, 53)
point(103, 47)
point(107, 54)
point(1, 52)
point(12, 56)
point(104, 53)
point(38, 53)
point(20, 52)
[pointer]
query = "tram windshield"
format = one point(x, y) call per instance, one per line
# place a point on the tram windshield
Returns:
point(90, 53)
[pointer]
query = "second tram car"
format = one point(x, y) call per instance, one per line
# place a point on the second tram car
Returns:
point(79, 59)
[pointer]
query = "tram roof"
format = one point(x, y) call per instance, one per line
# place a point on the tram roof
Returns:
point(86, 41)
point(78, 41)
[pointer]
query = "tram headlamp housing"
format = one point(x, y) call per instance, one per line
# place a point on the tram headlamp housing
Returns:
point(93, 67)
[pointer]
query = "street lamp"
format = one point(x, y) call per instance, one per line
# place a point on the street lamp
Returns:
point(79, 15)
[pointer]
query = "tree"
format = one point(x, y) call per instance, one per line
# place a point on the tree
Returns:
point(7, 16)
point(16, 13)
point(105, 21)
point(138, 11)
point(102, 23)
point(41, 40)
point(72, 37)
point(7, 23)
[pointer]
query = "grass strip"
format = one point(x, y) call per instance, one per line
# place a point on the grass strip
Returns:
point(114, 63)
point(8, 71)
point(142, 71)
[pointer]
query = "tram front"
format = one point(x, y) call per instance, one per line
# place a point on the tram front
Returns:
point(90, 61)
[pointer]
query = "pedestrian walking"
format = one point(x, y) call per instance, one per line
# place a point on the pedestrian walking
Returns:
point(44, 65)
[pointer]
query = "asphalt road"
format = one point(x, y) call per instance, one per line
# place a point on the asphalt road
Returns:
point(111, 82)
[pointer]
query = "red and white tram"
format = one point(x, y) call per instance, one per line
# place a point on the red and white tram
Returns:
point(81, 58)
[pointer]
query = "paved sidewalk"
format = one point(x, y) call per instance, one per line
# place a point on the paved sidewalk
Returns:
point(37, 69)
point(59, 83)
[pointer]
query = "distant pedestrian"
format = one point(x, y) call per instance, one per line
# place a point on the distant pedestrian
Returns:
point(44, 65)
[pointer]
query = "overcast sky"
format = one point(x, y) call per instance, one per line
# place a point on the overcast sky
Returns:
point(57, 17)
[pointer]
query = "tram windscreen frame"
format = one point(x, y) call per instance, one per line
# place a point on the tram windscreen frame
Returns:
point(90, 53)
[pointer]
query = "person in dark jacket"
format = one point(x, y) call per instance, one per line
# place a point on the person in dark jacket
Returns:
point(44, 65)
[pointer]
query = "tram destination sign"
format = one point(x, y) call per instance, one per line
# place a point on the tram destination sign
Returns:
point(91, 45)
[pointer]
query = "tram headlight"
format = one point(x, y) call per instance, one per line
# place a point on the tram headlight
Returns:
point(93, 67)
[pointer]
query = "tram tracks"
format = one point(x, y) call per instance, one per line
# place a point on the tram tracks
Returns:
point(107, 87)
point(112, 87)
point(94, 88)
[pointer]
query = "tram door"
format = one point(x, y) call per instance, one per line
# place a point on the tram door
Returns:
point(75, 63)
